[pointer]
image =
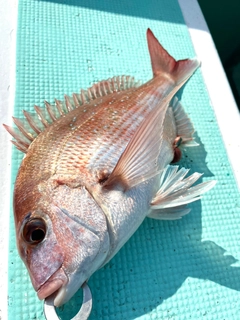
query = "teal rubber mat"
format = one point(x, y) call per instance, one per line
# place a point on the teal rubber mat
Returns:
point(185, 269)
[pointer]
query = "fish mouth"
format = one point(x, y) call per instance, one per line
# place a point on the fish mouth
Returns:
point(53, 284)
point(67, 290)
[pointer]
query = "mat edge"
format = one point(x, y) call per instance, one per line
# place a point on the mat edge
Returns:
point(212, 69)
point(7, 89)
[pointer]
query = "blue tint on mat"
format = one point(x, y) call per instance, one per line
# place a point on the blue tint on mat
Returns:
point(186, 269)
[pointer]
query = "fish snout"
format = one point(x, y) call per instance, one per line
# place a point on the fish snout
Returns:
point(53, 284)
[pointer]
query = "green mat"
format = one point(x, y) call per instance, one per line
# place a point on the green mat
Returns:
point(186, 269)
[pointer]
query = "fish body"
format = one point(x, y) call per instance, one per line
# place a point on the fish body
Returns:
point(96, 168)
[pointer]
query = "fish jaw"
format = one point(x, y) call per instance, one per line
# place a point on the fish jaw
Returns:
point(60, 285)
point(53, 284)
point(66, 291)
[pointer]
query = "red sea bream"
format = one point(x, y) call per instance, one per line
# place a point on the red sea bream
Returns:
point(95, 166)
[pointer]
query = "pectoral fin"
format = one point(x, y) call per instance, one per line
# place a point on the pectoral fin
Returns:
point(138, 162)
point(175, 192)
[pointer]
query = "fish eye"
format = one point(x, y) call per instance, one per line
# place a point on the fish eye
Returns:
point(34, 231)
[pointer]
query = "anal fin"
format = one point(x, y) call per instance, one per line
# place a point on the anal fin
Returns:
point(169, 213)
point(176, 192)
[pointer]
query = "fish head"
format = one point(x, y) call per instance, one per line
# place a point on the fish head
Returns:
point(59, 240)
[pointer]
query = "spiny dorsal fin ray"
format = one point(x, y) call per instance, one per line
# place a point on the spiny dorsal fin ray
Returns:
point(42, 116)
point(21, 142)
point(32, 125)
point(22, 129)
point(32, 122)
point(19, 146)
point(50, 110)
point(59, 107)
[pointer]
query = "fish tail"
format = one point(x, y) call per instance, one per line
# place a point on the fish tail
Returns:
point(163, 62)
point(176, 192)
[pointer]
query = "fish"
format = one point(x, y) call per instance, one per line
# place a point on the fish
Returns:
point(96, 165)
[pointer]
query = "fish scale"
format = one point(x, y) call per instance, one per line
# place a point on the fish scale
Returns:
point(123, 124)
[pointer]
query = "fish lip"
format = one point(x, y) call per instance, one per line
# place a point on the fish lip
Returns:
point(66, 292)
point(53, 284)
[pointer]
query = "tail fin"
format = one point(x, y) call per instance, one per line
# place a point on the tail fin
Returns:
point(163, 62)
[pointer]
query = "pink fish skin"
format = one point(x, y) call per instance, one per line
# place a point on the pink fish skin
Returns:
point(96, 165)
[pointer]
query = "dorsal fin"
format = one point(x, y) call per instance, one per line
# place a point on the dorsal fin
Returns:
point(184, 126)
point(32, 125)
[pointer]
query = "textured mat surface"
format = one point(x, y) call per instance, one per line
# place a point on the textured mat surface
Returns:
point(186, 269)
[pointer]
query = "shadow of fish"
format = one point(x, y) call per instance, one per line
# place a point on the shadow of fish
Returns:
point(96, 165)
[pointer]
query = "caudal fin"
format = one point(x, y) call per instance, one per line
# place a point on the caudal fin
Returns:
point(163, 62)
